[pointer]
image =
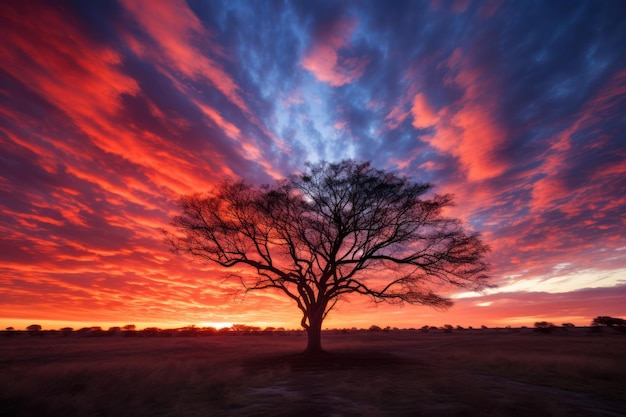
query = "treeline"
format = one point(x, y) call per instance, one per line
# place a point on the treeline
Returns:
point(130, 330)
point(597, 324)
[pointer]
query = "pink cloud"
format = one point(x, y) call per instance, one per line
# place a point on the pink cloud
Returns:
point(230, 129)
point(323, 56)
point(551, 190)
point(423, 114)
point(396, 116)
point(465, 129)
point(460, 6)
point(489, 7)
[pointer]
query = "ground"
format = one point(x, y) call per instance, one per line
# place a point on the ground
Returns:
point(397, 373)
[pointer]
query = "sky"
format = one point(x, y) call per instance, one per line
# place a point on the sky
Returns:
point(110, 110)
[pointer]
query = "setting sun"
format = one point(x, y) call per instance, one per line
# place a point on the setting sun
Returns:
point(216, 325)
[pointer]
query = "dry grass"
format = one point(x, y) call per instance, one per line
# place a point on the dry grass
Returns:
point(365, 374)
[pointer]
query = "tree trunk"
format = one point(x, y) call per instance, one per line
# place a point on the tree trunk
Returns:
point(314, 333)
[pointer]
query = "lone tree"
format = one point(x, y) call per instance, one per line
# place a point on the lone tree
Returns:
point(335, 229)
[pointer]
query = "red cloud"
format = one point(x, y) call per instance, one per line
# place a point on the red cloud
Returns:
point(185, 42)
point(84, 80)
point(176, 30)
point(324, 60)
point(47, 52)
point(248, 148)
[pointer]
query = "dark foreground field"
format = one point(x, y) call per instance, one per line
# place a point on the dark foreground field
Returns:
point(366, 374)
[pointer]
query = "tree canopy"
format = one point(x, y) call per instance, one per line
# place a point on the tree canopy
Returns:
point(608, 321)
point(334, 229)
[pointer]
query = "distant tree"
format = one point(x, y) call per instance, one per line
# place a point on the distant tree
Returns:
point(544, 327)
point(244, 328)
point(375, 328)
point(34, 328)
point(207, 331)
point(447, 328)
point(608, 321)
point(114, 330)
point(150, 331)
point(129, 327)
point(568, 325)
point(335, 229)
point(239, 327)
point(66, 331)
point(10, 329)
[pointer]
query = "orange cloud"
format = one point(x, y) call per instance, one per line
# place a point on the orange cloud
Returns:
point(323, 58)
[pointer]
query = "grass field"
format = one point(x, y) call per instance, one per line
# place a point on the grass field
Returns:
point(398, 373)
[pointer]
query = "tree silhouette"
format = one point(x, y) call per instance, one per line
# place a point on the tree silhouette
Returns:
point(335, 229)
point(608, 321)
point(544, 327)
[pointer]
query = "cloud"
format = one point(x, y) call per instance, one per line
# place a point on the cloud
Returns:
point(423, 114)
point(525, 308)
point(324, 56)
point(564, 155)
point(175, 29)
point(465, 128)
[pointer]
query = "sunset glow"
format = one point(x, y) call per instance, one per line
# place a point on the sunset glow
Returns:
point(110, 110)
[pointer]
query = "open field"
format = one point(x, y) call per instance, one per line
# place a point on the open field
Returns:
point(398, 373)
